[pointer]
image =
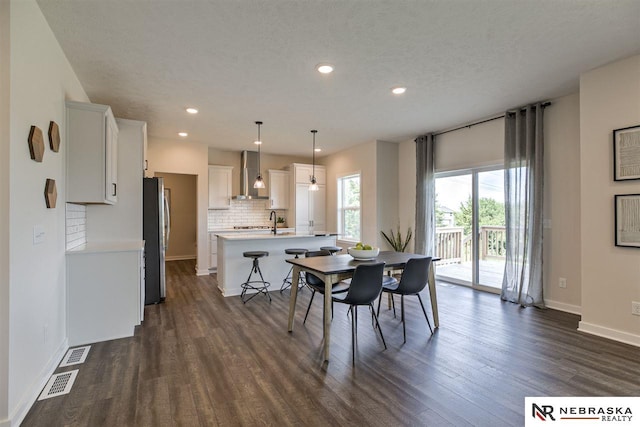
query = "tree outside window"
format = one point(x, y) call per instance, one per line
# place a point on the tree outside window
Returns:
point(349, 207)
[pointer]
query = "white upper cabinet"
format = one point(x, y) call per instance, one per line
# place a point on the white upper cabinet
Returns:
point(92, 154)
point(308, 208)
point(278, 189)
point(220, 187)
point(304, 172)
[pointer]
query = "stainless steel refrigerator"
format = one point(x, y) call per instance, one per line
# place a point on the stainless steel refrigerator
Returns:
point(156, 226)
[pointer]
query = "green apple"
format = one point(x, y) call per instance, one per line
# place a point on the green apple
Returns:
point(367, 247)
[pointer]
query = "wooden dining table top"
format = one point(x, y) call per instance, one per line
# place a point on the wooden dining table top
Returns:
point(346, 263)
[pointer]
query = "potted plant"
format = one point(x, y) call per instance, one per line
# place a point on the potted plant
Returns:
point(280, 222)
point(396, 241)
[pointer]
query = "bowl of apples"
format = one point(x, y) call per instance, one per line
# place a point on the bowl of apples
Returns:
point(362, 252)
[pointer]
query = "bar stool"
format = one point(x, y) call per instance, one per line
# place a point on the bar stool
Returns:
point(258, 285)
point(332, 249)
point(286, 283)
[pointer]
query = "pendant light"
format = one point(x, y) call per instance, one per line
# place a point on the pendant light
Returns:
point(259, 183)
point(314, 185)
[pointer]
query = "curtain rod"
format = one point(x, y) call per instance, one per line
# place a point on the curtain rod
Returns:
point(544, 104)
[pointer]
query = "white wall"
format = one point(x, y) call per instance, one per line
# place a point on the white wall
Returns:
point(41, 80)
point(609, 99)
point(561, 235)
point(387, 190)
point(4, 208)
point(477, 146)
point(192, 159)
point(407, 188)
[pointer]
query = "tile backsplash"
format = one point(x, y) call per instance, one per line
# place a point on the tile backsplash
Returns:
point(242, 213)
point(76, 222)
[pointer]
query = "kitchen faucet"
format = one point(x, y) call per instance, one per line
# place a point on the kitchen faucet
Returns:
point(272, 216)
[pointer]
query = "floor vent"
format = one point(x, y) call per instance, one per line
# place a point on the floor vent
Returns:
point(75, 356)
point(59, 384)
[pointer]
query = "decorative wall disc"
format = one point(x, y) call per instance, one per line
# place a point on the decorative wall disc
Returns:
point(50, 193)
point(36, 144)
point(54, 136)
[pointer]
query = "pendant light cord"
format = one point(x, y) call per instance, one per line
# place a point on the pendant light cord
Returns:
point(259, 146)
point(313, 156)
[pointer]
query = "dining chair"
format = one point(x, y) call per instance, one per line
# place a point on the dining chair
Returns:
point(415, 277)
point(365, 287)
point(317, 285)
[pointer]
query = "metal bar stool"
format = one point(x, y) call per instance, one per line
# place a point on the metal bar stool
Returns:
point(258, 285)
point(332, 249)
point(286, 283)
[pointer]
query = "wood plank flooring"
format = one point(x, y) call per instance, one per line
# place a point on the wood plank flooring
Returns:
point(203, 360)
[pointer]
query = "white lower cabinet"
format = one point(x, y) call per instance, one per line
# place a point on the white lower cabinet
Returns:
point(105, 291)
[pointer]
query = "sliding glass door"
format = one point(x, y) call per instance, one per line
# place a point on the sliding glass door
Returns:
point(470, 231)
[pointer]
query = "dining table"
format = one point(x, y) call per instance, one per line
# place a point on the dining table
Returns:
point(332, 269)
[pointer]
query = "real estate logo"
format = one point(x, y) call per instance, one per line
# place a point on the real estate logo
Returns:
point(582, 411)
point(542, 412)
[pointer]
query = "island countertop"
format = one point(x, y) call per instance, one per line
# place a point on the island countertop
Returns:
point(233, 266)
point(286, 235)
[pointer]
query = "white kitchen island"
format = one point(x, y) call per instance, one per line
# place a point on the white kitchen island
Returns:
point(233, 268)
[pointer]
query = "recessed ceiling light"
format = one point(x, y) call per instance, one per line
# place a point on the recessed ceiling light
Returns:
point(257, 142)
point(183, 134)
point(398, 90)
point(324, 68)
point(317, 150)
point(192, 110)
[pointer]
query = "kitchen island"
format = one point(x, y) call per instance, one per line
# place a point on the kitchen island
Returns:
point(234, 268)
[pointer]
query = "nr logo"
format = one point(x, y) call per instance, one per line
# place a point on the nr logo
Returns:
point(542, 412)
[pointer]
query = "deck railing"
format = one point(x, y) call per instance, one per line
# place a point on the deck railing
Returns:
point(453, 247)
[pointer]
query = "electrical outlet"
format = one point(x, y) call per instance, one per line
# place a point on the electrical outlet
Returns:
point(562, 282)
point(635, 308)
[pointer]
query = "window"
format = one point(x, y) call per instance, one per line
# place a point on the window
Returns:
point(349, 207)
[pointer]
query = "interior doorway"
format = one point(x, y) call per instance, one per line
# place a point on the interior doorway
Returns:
point(181, 193)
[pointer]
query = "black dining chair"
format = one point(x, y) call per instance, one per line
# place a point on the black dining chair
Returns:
point(317, 285)
point(364, 288)
point(415, 277)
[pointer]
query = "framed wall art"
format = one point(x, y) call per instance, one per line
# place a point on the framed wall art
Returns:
point(627, 207)
point(626, 153)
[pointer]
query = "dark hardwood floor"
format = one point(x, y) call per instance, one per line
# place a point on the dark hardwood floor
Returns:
point(203, 360)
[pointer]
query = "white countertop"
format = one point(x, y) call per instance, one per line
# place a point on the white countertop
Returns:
point(285, 235)
point(249, 231)
point(96, 247)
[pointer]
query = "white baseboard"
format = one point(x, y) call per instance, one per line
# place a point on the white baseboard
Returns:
point(232, 292)
point(561, 306)
point(180, 257)
point(612, 334)
point(202, 272)
point(21, 410)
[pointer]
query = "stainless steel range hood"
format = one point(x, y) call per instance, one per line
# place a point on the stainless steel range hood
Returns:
point(248, 173)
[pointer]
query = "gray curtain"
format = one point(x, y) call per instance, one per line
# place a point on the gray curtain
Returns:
point(523, 184)
point(425, 195)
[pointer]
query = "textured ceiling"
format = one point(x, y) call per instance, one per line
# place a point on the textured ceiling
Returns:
point(246, 60)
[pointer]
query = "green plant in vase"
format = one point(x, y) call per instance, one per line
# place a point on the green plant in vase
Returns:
point(280, 222)
point(396, 241)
